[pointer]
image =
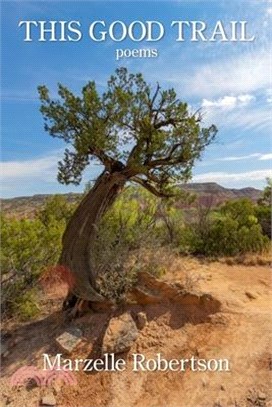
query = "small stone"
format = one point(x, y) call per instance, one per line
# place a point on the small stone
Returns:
point(48, 400)
point(222, 387)
point(141, 320)
point(250, 295)
point(261, 395)
point(69, 340)
point(120, 335)
point(57, 388)
point(250, 398)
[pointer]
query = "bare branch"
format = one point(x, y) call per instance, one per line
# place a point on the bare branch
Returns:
point(151, 188)
point(164, 123)
point(154, 97)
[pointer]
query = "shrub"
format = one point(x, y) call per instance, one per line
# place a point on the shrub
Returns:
point(263, 214)
point(28, 247)
point(25, 305)
point(229, 231)
point(126, 227)
point(56, 209)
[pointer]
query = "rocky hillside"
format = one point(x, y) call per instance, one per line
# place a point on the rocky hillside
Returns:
point(209, 192)
point(222, 194)
point(26, 206)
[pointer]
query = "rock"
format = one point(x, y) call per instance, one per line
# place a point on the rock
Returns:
point(120, 335)
point(261, 396)
point(69, 340)
point(48, 400)
point(141, 320)
point(56, 387)
point(250, 398)
point(150, 290)
point(222, 387)
point(250, 295)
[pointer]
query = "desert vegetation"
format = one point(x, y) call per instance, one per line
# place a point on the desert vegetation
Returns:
point(129, 237)
point(146, 142)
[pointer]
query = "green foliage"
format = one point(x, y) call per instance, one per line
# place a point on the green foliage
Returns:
point(241, 210)
point(131, 237)
point(232, 230)
point(266, 199)
point(126, 227)
point(263, 209)
point(146, 133)
point(169, 222)
point(28, 247)
point(263, 214)
point(25, 305)
point(27, 243)
point(56, 209)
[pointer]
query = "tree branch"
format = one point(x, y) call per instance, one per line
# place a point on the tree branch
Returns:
point(151, 188)
point(154, 97)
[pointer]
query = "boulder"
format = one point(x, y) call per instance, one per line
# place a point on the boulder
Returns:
point(48, 400)
point(150, 290)
point(69, 340)
point(120, 335)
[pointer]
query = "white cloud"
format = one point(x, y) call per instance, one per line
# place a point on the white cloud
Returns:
point(258, 156)
point(38, 176)
point(256, 117)
point(19, 96)
point(43, 168)
point(229, 102)
point(269, 95)
point(238, 74)
point(224, 177)
point(266, 157)
point(28, 177)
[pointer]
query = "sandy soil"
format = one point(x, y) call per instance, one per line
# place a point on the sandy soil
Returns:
point(240, 332)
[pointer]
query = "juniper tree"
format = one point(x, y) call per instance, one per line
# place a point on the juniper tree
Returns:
point(138, 133)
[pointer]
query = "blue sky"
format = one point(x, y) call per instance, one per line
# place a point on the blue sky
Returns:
point(229, 81)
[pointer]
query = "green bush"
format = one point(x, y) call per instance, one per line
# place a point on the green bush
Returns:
point(263, 214)
point(131, 237)
point(25, 305)
point(28, 247)
point(125, 228)
point(56, 209)
point(231, 230)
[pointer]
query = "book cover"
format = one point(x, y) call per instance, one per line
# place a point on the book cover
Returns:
point(136, 203)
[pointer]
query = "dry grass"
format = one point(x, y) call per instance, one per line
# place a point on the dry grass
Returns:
point(248, 260)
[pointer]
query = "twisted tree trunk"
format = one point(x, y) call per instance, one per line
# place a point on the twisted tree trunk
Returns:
point(80, 234)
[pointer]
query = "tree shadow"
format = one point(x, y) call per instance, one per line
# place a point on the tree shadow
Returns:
point(28, 342)
point(175, 314)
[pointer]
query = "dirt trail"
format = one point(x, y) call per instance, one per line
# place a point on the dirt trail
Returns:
point(238, 332)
